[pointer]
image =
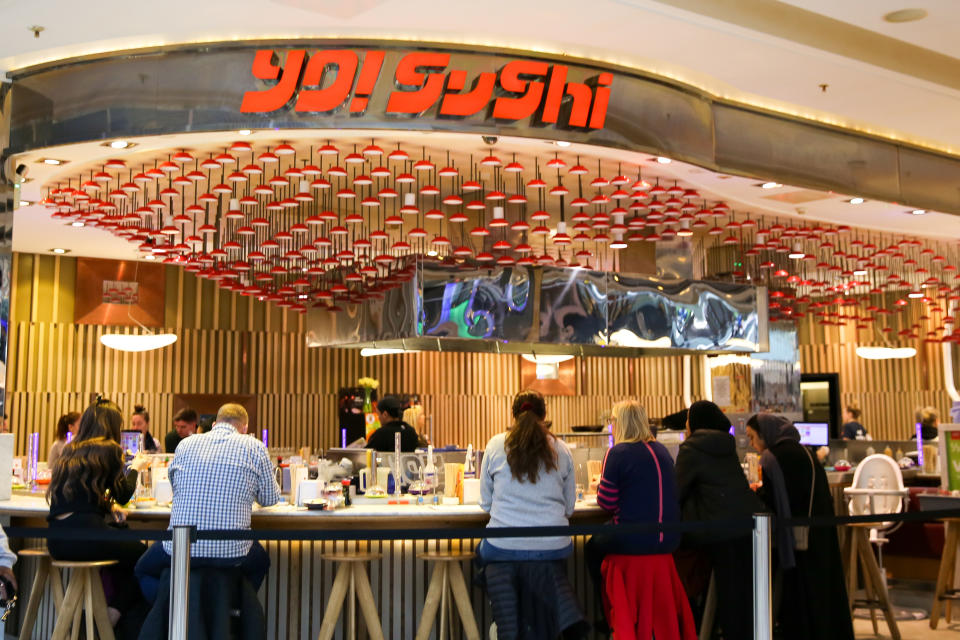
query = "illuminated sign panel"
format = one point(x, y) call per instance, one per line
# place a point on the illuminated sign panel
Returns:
point(336, 80)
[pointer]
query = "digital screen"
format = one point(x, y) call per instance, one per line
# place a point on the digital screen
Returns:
point(130, 441)
point(814, 434)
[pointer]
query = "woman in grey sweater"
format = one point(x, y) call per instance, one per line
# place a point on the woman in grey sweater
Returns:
point(527, 479)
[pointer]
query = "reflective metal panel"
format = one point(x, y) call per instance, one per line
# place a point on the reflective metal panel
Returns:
point(550, 310)
point(690, 315)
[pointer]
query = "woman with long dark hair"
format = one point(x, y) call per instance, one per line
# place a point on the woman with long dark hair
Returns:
point(527, 479)
point(68, 423)
point(87, 487)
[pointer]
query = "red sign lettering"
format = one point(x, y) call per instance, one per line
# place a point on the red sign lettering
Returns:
point(520, 90)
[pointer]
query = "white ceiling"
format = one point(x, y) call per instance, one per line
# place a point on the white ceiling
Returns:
point(36, 232)
point(686, 39)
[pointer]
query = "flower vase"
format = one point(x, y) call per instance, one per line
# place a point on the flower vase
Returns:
point(370, 418)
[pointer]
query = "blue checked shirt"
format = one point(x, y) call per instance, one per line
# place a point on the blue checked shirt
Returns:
point(216, 478)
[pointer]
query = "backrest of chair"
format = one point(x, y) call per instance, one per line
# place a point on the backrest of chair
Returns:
point(878, 471)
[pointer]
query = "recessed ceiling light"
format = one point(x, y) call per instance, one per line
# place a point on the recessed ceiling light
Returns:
point(25, 203)
point(431, 253)
point(119, 144)
point(919, 212)
point(76, 224)
point(905, 15)
point(663, 160)
point(855, 200)
point(149, 256)
point(770, 185)
point(59, 250)
point(52, 161)
point(244, 132)
point(562, 143)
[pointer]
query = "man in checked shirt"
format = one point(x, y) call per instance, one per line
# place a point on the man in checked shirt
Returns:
point(216, 477)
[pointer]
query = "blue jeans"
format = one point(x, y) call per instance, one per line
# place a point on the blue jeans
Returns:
point(152, 563)
point(487, 553)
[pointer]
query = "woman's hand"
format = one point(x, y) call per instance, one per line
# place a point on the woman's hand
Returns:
point(140, 462)
point(119, 513)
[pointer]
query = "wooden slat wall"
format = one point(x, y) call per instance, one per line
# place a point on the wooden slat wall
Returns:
point(887, 391)
point(232, 344)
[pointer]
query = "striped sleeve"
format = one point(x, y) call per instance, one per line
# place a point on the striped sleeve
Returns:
point(608, 493)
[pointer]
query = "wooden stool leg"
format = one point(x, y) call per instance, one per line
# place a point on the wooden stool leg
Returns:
point(335, 604)
point(56, 587)
point(872, 574)
point(462, 597)
point(88, 600)
point(78, 610)
point(951, 540)
point(367, 606)
point(70, 602)
point(100, 609)
point(36, 595)
point(430, 603)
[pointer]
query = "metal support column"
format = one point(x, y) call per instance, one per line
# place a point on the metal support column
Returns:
point(762, 578)
point(179, 584)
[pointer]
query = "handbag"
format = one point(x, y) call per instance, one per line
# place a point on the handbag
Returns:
point(801, 533)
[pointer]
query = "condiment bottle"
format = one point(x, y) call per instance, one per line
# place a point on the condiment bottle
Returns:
point(469, 470)
point(430, 472)
point(345, 483)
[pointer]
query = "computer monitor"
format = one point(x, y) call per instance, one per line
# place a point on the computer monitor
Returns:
point(815, 434)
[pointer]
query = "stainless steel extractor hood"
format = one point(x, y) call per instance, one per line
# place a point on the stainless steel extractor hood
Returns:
point(548, 310)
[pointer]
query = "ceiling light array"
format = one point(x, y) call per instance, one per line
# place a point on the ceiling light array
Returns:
point(339, 224)
point(279, 222)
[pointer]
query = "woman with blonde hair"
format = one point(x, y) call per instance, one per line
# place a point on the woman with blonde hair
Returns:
point(637, 485)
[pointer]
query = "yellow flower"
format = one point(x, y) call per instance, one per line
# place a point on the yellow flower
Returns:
point(368, 383)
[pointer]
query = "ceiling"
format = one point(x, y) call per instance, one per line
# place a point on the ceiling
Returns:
point(897, 80)
point(35, 231)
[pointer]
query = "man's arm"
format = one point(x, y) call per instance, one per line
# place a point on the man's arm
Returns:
point(268, 492)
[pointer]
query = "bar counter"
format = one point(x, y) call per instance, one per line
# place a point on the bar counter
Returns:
point(295, 592)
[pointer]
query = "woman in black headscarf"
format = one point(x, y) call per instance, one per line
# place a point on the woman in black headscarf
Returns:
point(712, 486)
point(814, 601)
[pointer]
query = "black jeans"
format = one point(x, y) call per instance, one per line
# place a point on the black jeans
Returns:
point(123, 592)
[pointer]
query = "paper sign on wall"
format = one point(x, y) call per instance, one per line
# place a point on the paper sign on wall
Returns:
point(721, 391)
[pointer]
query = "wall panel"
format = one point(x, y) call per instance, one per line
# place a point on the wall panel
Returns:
point(232, 344)
point(887, 391)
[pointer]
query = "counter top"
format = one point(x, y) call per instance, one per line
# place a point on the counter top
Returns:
point(33, 509)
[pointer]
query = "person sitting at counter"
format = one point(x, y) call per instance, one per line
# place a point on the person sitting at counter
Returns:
point(712, 486)
point(929, 421)
point(184, 424)
point(852, 429)
point(527, 479)
point(391, 412)
point(86, 489)
point(68, 423)
point(814, 594)
point(140, 421)
point(216, 477)
point(637, 485)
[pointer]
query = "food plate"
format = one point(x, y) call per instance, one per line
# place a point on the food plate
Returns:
point(317, 504)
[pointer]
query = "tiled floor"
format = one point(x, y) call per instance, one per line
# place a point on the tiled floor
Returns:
point(913, 630)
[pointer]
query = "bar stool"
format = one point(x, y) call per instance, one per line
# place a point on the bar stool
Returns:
point(944, 590)
point(351, 582)
point(45, 574)
point(860, 559)
point(447, 578)
point(84, 591)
